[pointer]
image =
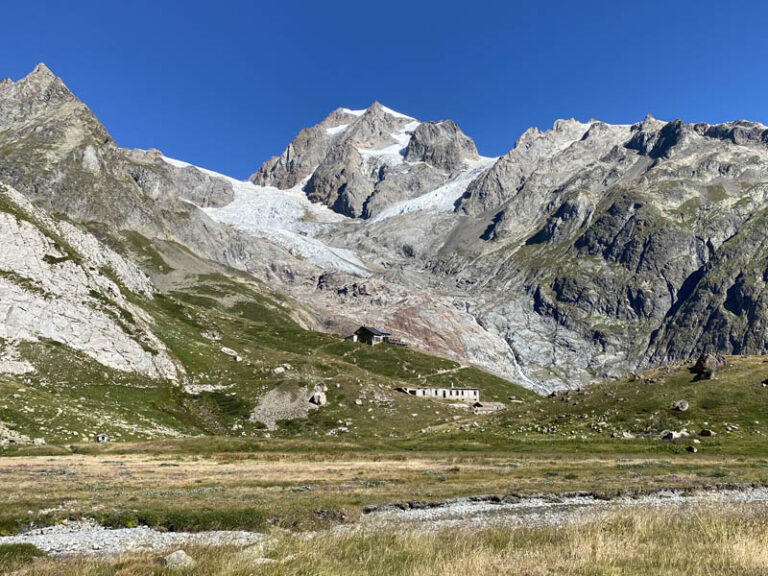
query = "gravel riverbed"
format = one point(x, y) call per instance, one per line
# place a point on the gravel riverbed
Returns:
point(86, 537)
point(543, 510)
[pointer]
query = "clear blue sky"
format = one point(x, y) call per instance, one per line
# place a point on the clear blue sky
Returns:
point(226, 84)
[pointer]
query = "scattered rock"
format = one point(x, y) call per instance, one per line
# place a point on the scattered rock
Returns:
point(707, 432)
point(707, 364)
point(9, 437)
point(11, 363)
point(319, 397)
point(692, 449)
point(673, 435)
point(285, 402)
point(232, 353)
point(178, 560)
point(680, 405)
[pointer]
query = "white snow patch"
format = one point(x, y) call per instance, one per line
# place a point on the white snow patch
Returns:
point(179, 163)
point(337, 129)
point(284, 217)
point(395, 113)
point(404, 136)
point(391, 155)
point(441, 199)
point(389, 111)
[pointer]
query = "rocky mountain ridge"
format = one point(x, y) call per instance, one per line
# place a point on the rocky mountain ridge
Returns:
point(359, 161)
point(587, 251)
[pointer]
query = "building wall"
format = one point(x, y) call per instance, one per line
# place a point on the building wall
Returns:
point(463, 395)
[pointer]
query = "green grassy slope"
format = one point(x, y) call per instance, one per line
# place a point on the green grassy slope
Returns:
point(71, 398)
point(629, 415)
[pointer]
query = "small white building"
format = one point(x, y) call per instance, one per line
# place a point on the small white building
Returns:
point(469, 395)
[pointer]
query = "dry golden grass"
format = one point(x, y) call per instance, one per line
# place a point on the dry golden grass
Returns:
point(702, 541)
point(309, 491)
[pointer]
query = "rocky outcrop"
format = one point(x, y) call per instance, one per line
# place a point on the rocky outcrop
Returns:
point(51, 288)
point(707, 365)
point(154, 177)
point(36, 93)
point(288, 402)
point(304, 153)
point(56, 153)
point(442, 145)
point(340, 181)
point(9, 437)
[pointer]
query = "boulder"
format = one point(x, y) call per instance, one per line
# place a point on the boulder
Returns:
point(673, 435)
point(692, 449)
point(707, 364)
point(232, 353)
point(318, 398)
point(178, 560)
point(707, 432)
point(680, 405)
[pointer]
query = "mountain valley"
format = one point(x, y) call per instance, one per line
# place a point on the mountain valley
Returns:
point(589, 251)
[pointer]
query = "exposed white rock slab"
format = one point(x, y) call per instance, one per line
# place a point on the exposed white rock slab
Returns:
point(55, 292)
point(11, 363)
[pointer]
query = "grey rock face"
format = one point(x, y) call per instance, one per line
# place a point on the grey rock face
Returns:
point(376, 127)
point(58, 155)
point(366, 153)
point(398, 185)
point(340, 181)
point(440, 144)
point(56, 292)
point(26, 98)
point(154, 177)
point(505, 179)
point(304, 153)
